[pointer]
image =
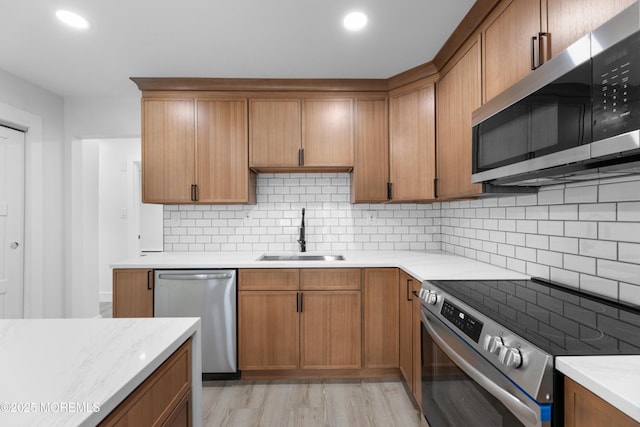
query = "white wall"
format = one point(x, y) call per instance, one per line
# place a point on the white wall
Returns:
point(84, 119)
point(42, 113)
point(116, 169)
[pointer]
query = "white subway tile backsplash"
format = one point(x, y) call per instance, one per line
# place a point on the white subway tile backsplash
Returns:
point(585, 235)
point(579, 263)
point(620, 192)
point(629, 252)
point(586, 194)
point(621, 271)
point(620, 231)
point(629, 211)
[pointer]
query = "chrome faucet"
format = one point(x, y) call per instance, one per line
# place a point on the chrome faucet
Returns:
point(301, 241)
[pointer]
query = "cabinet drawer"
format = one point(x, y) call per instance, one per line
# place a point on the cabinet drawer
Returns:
point(327, 279)
point(156, 398)
point(262, 279)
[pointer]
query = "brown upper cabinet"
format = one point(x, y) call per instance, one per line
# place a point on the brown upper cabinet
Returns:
point(459, 93)
point(412, 142)
point(568, 20)
point(195, 150)
point(290, 134)
point(520, 35)
point(371, 169)
point(511, 42)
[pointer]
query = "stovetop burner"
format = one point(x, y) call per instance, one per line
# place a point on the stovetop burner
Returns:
point(558, 320)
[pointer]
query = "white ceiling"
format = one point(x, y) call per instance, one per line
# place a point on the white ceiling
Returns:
point(216, 38)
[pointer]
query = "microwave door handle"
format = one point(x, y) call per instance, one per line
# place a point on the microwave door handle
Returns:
point(515, 405)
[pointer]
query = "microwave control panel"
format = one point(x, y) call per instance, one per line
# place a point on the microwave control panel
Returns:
point(615, 89)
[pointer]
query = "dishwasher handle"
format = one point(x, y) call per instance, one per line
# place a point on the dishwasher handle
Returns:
point(197, 276)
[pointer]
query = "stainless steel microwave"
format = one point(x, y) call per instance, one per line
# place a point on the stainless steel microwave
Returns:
point(577, 117)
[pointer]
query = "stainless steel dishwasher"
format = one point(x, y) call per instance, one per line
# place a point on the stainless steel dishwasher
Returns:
point(210, 295)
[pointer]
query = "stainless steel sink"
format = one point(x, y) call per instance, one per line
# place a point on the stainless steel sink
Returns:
point(301, 258)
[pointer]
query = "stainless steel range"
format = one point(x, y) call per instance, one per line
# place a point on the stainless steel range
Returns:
point(489, 348)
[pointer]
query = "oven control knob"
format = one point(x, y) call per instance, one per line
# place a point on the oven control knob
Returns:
point(493, 344)
point(511, 357)
point(431, 298)
point(422, 294)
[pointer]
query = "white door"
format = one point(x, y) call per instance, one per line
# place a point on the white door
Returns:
point(11, 223)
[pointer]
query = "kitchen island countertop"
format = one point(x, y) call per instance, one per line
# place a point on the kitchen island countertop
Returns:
point(612, 378)
point(74, 372)
point(432, 265)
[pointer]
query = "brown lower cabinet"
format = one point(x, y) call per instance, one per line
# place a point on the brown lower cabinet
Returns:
point(299, 319)
point(410, 336)
point(381, 321)
point(132, 292)
point(582, 408)
point(163, 399)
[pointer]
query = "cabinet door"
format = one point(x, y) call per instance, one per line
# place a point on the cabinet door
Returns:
point(406, 328)
point(381, 318)
point(132, 293)
point(412, 144)
point(568, 20)
point(416, 329)
point(168, 150)
point(330, 330)
point(585, 409)
point(458, 96)
point(371, 169)
point(222, 152)
point(507, 44)
point(327, 132)
point(268, 330)
point(274, 132)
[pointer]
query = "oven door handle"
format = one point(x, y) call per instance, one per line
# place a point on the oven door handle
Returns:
point(511, 402)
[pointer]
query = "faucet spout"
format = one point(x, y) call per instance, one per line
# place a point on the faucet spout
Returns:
point(301, 240)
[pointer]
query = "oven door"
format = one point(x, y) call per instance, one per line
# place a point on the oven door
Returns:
point(461, 388)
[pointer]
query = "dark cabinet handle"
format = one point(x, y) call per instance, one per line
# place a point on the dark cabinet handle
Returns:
point(149, 280)
point(533, 52)
point(541, 37)
point(389, 190)
point(194, 192)
point(409, 292)
point(297, 302)
point(301, 157)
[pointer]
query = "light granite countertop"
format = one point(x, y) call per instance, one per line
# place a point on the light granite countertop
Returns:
point(434, 265)
point(613, 378)
point(74, 372)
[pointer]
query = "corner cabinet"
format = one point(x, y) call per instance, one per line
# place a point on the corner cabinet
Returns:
point(459, 93)
point(301, 134)
point(412, 140)
point(195, 150)
point(410, 335)
point(133, 293)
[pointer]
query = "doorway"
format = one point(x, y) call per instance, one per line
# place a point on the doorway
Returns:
point(12, 188)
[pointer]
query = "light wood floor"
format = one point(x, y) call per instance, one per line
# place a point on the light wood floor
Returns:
point(308, 403)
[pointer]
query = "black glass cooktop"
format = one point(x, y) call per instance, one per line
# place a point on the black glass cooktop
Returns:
point(558, 320)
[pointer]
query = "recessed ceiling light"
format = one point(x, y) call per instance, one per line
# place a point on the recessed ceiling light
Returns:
point(72, 19)
point(355, 21)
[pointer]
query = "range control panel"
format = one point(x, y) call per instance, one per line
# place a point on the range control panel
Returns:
point(461, 320)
